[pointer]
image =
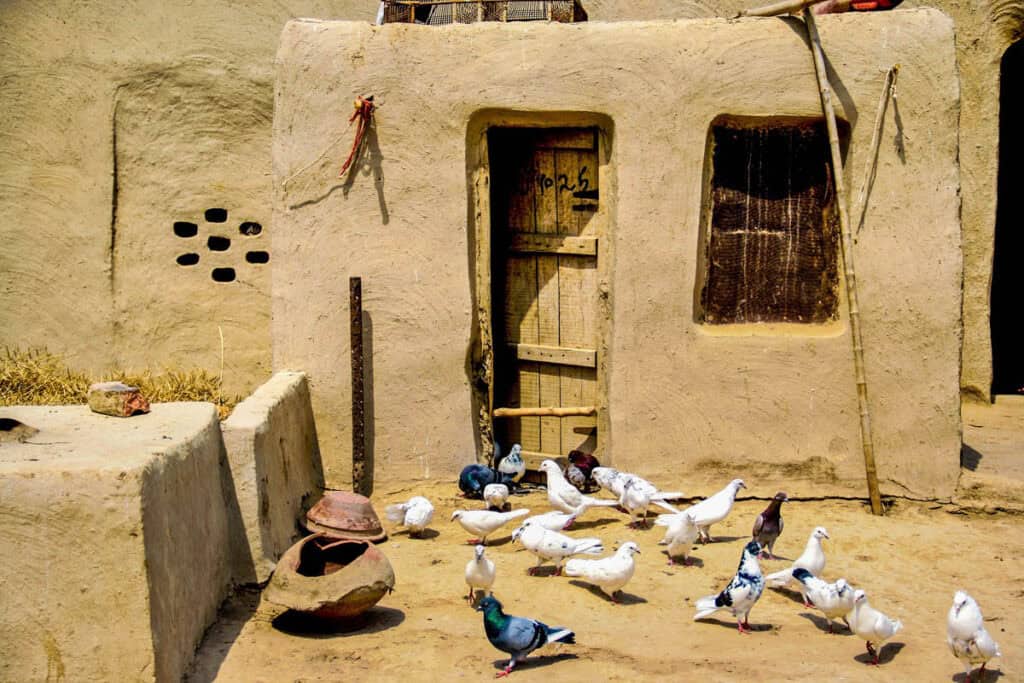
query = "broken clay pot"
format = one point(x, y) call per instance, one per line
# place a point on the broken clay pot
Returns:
point(329, 578)
point(343, 514)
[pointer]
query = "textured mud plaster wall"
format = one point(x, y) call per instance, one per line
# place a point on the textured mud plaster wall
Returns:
point(679, 395)
point(114, 540)
point(120, 118)
point(275, 467)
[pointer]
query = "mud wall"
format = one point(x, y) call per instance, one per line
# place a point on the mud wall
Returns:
point(680, 394)
point(120, 120)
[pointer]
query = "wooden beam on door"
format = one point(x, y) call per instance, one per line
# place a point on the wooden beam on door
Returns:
point(559, 355)
point(549, 411)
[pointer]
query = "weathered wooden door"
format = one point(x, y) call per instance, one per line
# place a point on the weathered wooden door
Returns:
point(545, 195)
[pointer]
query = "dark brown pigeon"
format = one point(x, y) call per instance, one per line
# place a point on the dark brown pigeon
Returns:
point(768, 526)
point(585, 463)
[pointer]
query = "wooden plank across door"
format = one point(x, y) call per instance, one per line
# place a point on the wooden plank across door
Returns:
point(547, 193)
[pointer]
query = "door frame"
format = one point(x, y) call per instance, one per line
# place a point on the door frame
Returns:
point(481, 354)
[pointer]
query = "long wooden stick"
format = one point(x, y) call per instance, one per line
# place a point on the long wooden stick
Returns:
point(776, 8)
point(545, 412)
point(355, 309)
point(848, 269)
point(876, 137)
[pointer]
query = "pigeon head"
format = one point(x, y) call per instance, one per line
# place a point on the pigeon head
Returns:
point(860, 596)
point(841, 586)
point(479, 550)
point(781, 497)
point(630, 547)
point(550, 466)
point(520, 529)
point(456, 515)
point(960, 600)
point(801, 574)
point(488, 603)
point(820, 533)
point(516, 451)
point(753, 548)
point(737, 484)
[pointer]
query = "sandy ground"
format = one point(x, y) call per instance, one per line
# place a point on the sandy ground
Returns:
point(910, 562)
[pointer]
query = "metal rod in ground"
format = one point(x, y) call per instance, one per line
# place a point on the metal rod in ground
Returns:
point(776, 8)
point(355, 309)
point(848, 268)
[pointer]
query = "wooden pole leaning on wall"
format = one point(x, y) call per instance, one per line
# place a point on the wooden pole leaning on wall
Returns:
point(355, 310)
point(848, 269)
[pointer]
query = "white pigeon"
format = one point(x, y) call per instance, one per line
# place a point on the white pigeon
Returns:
point(679, 536)
point(553, 521)
point(609, 574)
point(480, 574)
point(564, 496)
point(812, 559)
point(483, 523)
point(966, 635)
point(512, 463)
point(710, 510)
point(870, 624)
point(834, 600)
point(495, 495)
point(614, 481)
point(741, 593)
point(635, 500)
point(551, 546)
point(415, 515)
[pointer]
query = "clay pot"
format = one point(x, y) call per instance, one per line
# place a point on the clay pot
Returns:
point(342, 514)
point(329, 578)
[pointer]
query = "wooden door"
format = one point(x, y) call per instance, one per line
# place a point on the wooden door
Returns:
point(545, 195)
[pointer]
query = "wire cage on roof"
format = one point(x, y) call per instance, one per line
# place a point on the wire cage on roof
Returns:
point(440, 12)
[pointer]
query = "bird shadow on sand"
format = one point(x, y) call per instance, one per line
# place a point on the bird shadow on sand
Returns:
point(757, 628)
point(691, 561)
point(838, 627)
point(622, 597)
point(987, 676)
point(725, 539)
point(304, 625)
point(885, 655)
point(425, 535)
point(593, 523)
point(791, 594)
point(536, 662)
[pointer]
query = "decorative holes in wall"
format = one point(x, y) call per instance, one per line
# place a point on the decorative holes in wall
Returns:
point(223, 274)
point(257, 256)
point(216, 215)
point(185, 229)
point(220, 244)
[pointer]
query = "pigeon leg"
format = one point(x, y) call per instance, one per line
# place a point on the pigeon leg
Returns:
point(507, 670)
point(475, 541)
point(470, 596)
point(742, 627)
point(873, 653)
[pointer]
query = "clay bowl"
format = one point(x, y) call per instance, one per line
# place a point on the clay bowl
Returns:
point(329, 578)
point(342, 514)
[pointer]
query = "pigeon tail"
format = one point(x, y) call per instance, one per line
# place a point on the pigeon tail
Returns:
point(665, 506)
point(560, 634)
point(666, 520)
point(706, 606)
point(395, 513)
point(589, 546)
point(666, 495)
point(778, 579)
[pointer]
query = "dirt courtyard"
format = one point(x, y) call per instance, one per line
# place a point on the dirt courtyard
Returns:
point(909, 562)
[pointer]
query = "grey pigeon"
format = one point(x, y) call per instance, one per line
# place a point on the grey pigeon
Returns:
point(516, 635)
